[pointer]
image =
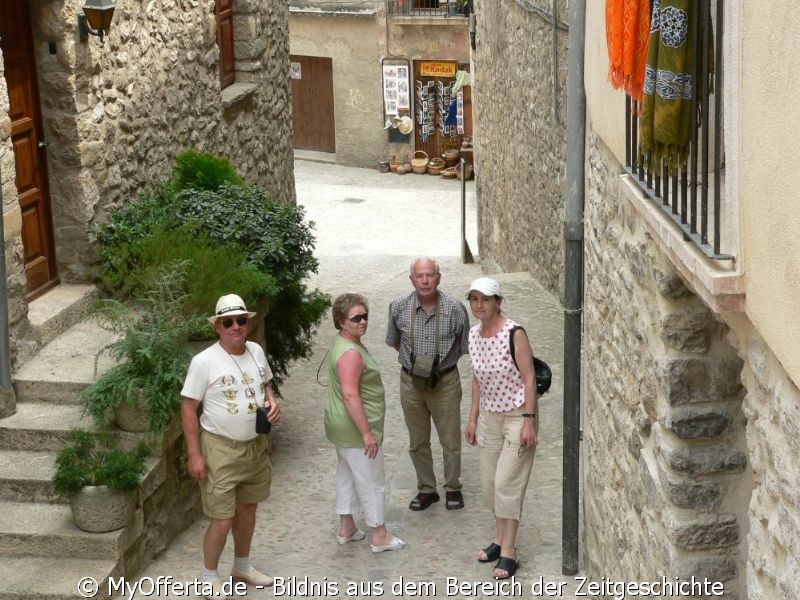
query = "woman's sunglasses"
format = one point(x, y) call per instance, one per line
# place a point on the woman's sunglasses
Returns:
point(240, 321)
point(358, 318)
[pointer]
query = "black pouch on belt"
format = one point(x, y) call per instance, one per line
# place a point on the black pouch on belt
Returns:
point(262, 422)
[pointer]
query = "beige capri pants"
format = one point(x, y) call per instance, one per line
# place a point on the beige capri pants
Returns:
point(505, 465)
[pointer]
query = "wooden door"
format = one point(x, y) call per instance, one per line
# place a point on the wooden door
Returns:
point(312, 102)
point(16, 43)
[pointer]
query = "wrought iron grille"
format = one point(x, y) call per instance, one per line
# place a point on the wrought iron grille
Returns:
point(692, 195)
point(428, 8)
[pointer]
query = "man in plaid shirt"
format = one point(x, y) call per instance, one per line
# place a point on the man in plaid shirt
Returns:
point(438, 398)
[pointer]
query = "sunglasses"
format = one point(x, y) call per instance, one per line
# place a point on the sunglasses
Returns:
point(358, 318)
point(240, 321)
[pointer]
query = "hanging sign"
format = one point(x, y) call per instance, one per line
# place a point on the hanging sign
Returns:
point(295, 70)
point(437, 69)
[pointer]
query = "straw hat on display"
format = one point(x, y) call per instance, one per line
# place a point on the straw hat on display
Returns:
point(406, 125)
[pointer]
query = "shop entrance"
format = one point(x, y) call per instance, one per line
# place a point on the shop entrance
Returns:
point(433, 81)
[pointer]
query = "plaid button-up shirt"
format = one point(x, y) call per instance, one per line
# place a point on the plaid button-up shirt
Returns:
point(453, 330)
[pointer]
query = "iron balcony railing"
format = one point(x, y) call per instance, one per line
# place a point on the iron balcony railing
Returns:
point(428, 8)
point(692, 195)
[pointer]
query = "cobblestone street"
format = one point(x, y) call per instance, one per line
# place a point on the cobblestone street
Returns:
point(369, 227)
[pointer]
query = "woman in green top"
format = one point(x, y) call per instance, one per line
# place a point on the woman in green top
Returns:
point(354, 424)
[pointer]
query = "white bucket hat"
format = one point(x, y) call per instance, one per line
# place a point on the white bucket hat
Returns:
point(230, 305)
point(486, 286)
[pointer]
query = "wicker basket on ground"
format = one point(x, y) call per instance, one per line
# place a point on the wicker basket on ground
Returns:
point(418, 164)
point(435, 165)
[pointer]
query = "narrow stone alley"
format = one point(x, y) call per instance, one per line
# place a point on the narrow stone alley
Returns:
point(369, 227)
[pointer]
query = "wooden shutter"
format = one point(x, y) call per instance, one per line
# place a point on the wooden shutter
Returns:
point(227, 65)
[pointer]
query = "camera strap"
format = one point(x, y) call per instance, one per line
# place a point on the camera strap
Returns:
point(413, 329)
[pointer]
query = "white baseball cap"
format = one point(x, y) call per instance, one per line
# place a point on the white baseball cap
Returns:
point(486, 286)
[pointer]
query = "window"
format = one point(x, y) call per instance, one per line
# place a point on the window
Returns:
point(692, 195)
point(227, 63)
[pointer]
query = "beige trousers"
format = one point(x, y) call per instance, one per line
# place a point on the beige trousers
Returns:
point(505, 465)
point(443, 407)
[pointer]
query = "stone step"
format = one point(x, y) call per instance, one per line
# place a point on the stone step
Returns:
point(60, 308)
point(38, 529)
point(65, 366)
point(41, 427)
point(42, 578)
point(27, 476)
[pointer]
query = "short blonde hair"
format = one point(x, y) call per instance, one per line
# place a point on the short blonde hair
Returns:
point(343, 304)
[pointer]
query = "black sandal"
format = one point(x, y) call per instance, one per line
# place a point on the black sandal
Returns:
point(492, 552)
point(509, 565)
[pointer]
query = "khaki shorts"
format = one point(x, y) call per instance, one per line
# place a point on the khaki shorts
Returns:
point(238, 473)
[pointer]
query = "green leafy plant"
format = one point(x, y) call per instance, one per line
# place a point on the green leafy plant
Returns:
point(269, 236)
point(150, 349)
point(211, 269)
point(203, 171)
point(96, 459)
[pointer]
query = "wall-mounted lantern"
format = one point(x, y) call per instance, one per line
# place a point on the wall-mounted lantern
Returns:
point(96, 19)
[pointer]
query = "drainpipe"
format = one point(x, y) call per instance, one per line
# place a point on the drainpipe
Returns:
point(573, 286)
point(8, 401)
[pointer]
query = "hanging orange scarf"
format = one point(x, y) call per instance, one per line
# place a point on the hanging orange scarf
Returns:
point(627, 35)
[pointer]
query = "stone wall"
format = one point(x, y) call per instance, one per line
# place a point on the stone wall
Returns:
point(664, 444)
point(772, 409)
point(169, 502)
point(520, 137)
point(115, 115)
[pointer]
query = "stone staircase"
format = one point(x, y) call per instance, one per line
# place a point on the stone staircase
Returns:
point(43, 555)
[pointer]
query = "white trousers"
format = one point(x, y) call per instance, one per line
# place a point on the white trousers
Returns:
point(360, 481)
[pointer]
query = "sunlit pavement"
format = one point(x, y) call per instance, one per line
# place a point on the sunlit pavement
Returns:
point(369, 226)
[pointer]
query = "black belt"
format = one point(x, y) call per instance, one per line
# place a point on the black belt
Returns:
point(441, 373)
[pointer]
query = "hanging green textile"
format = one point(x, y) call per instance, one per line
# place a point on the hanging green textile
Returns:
point(665, 125)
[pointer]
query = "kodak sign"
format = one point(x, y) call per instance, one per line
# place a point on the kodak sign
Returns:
point(437, 69)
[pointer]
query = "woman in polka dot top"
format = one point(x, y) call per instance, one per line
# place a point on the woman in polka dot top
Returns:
point(503, 418)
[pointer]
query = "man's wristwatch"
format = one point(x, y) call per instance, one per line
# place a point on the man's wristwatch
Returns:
point(529, 415)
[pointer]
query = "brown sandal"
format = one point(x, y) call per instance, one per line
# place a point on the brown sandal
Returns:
point(422, 500)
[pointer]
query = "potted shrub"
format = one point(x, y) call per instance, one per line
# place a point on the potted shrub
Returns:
point(142, 392)
point(100, 480)
point(170, 219)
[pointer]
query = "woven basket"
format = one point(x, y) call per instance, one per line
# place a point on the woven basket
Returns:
point(451, 157)
point(435, 165)
point(393, 164)
point(449, 172)
point(419, 165)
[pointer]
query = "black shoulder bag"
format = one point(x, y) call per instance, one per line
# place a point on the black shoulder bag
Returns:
point(543, 374)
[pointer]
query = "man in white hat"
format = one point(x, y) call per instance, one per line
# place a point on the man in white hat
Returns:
point(231, 380)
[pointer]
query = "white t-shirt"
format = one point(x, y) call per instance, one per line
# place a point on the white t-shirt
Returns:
point(230, 387)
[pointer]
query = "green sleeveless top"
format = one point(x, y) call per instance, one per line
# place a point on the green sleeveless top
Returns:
point(339, 427)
